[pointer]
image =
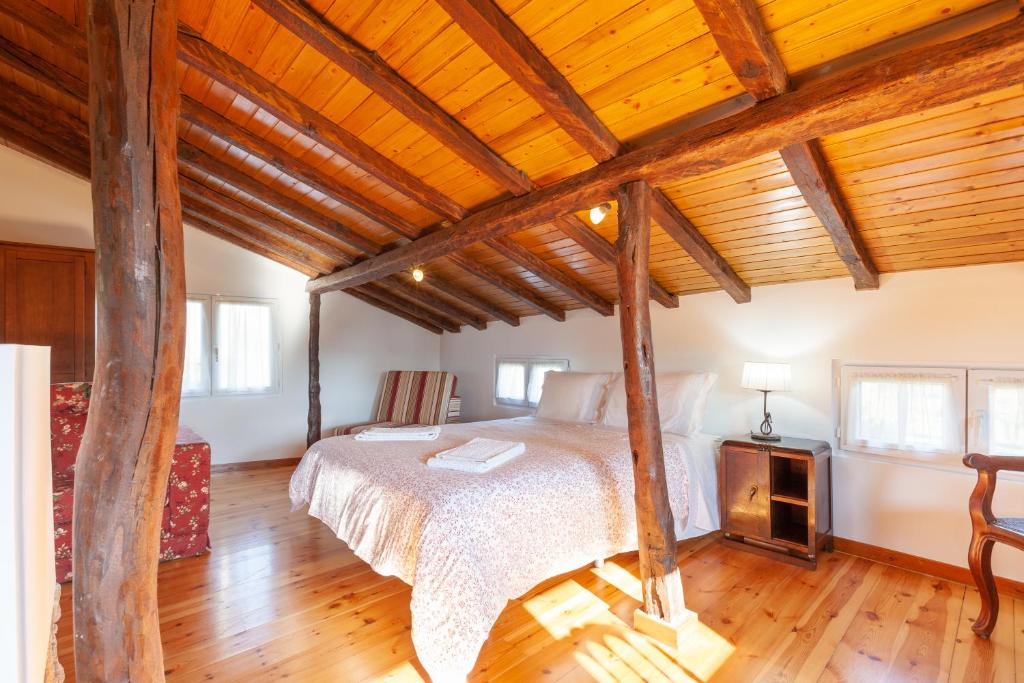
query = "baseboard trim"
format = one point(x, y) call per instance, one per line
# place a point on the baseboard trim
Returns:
point(922, 565)
point(253, 465)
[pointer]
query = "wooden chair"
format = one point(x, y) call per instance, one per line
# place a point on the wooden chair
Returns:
point(987, 529)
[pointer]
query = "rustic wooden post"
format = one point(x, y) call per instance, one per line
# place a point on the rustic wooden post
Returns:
point(121, 475)
point(664, 611)
point(314, 431)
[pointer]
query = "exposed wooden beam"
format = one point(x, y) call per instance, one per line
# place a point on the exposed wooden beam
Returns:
point(385, 82)
point(397, 298)
point(55, 137)
point(812, 175)
point(744, 42)
point(48, 24)
point(505, 284)
point(659, 570)
point(231, 73)
point(313, 425)
point(125, 457)
point(510, 49)
point(221, 127)
point(384, 305)
point(199, 223)
point(406, 287)
point(913, 81)
point(471, 299)
point(198, 161)
point(26, 62)
point(696, 245)
point(575, 229)
point(370, 70)
point(519, 254)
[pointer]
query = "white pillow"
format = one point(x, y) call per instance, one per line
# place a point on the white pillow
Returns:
point(572, 396)
point(682, 398)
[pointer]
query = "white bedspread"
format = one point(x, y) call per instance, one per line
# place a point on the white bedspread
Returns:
point(468, 543)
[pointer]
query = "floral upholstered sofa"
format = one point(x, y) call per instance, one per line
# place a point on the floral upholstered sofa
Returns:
point(184, 530)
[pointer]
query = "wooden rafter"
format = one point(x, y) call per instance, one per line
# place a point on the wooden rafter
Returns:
point(62, 140)
point(125, 457)
point(512, 50)
point(507, 285)
point(912, 81)
point(240, 78)
point(196, 161)
point(388, 84)
point(743, 40)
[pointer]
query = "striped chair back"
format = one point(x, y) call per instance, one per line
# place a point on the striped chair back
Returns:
point(416, 397)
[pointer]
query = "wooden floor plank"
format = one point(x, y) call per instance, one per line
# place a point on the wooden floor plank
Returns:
point(279, 597)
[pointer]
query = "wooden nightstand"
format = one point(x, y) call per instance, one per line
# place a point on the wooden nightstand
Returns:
point(776, 497)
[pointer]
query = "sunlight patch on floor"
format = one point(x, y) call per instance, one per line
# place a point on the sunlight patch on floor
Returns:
point(621, 578)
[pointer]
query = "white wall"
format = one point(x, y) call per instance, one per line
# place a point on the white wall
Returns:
point(41, 205)
point(964, 315)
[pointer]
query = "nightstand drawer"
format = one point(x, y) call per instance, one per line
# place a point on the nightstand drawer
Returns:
point(746, 492)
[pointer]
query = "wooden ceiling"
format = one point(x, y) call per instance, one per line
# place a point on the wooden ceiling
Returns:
point(286, 152)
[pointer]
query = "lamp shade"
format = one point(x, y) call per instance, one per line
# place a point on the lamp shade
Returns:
point(766, 376)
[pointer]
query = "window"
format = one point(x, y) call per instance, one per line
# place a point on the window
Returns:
point(519, 381)
point(196, 379)
point(996, 402)
point(904, 411)
point(231, 346)
point(245, 346)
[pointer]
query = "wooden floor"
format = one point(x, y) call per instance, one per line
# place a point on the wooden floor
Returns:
point(279, 597)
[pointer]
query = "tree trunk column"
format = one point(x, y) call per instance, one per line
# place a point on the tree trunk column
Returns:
point(659, 569)
point(315, 430)
point(122, 469)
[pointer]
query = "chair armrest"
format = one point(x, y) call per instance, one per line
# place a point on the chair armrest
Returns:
point(994, 463)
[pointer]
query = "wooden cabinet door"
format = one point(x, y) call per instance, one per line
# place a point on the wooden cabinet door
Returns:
point(746, 495)
point(49, 301)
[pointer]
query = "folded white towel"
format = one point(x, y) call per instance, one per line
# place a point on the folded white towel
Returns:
point(477, 455)
point(399, 434)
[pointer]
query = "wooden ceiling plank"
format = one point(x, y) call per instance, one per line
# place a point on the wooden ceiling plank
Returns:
point(697, 247)
point(743, 40)
point(588, 238)
point(231, 73)
point(470, 299)
point(374, 73)
point(511, 49)
point(383, 304)
point(515, 53)
point(517, 253)
point(48, 24)
point(912, 81)
point(507, 285)
point(406, 287)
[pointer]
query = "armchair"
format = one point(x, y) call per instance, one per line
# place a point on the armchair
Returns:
point(987, 530)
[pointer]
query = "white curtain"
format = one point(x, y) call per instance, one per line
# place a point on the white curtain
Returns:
point(1006, 417)
point(537, 371)
point(904, 411)
point(195, 379)
point(511, 381)
point(245, 347)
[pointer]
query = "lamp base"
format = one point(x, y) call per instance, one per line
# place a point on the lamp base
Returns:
point(758, 436)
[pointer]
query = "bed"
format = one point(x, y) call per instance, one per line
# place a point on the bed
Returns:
point(468, 543)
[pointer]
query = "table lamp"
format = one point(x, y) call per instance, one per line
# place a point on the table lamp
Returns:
point(766, 377)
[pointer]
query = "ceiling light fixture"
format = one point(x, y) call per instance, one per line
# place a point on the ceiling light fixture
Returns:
point(417, 275)
point(598, 213)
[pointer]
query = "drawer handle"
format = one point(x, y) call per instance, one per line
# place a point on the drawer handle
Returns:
point(753, 491)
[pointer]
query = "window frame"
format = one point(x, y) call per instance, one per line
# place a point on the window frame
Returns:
point(275, 334)
point(977, 404)
point(932, 457)
point(528, 362)
point(207, 350)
